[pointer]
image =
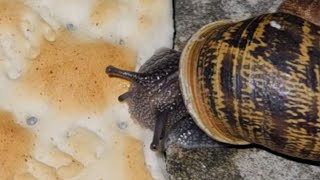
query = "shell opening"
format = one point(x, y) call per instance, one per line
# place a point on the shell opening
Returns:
point(190, 88)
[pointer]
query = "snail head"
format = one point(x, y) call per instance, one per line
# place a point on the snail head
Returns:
point(154, 97)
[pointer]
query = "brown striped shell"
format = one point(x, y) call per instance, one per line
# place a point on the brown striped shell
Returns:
point(256, 81)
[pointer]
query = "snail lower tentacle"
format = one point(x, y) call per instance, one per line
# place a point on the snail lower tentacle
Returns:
point(158, 131)
point(124, 96)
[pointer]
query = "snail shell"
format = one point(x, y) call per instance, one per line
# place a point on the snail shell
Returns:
point(256, 81)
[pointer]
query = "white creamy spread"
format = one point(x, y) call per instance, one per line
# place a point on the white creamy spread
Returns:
point(58, 108)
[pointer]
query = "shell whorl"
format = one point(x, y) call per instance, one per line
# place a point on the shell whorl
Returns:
point(256, 81)
point(307, 9)
point(202, 116)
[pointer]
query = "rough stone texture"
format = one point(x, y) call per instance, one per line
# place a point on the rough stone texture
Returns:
point(190, 15)
point(227, 163)
point(191, 154)
point(259, 164)
point(180, 166)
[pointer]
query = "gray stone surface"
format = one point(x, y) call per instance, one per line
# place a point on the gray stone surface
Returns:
point(191, 154)
point(190, 15)
point(227, 163)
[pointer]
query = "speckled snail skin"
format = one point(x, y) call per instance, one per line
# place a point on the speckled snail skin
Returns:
point(254, 81)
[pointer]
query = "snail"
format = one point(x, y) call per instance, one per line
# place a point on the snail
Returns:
point(255, 81)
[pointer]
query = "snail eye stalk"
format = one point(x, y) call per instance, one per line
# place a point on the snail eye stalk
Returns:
point(129, 75)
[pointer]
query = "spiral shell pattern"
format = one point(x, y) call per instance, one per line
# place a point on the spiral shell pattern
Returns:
point(256, 81)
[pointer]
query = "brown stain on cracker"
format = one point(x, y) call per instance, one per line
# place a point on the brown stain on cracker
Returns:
point(145, 22)
point(150, 10)
point(70, 74)
point(25, 176)
point(16, 146)
point(102, 10)
point(134, 160)
point(147, 3)
point(11, 12)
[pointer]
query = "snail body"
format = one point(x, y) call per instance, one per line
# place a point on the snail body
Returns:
point(253, 81)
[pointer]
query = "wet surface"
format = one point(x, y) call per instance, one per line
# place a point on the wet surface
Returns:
point(58, 108)
point(16, 146)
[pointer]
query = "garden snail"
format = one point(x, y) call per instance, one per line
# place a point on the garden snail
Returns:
point(253, 81)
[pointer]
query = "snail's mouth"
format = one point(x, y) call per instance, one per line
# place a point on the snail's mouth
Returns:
point(59, 114)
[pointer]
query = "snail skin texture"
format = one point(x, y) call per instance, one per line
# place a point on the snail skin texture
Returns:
point(253, 81)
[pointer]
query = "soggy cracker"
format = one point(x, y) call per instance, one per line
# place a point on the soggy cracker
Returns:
point(16, 146)
point(134, 158)
point(71, 74)
point(11, 12)
point(102, 10)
